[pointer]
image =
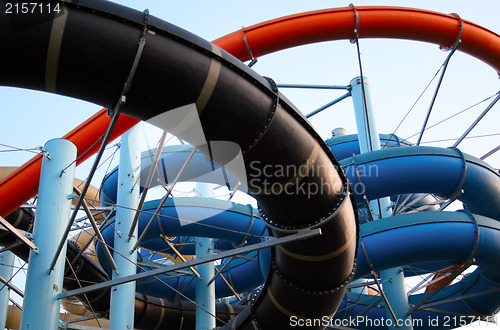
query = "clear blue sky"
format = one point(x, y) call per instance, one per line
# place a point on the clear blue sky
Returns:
point(398, 71)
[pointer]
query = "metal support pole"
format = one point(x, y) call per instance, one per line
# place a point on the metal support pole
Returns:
point(365, 121)
point(329, 104)
point(122, 303)
point(270, 242)
point(6, 264)
point(205, 295)
point(41, 306)
point(205, 291)
point(393, 279)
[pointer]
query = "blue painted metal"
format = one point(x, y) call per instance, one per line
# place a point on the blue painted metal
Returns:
point(396, 241)
point(393, 279)
point(205, 291)
point(6, 264)
point(345, 146)
point(435, 237)
point(205, 295)
point(327, 105)
point(173, 157)
point(227, 222)
point(41, 306)
point(123, 296)
point(427, 169)
point(365, 122)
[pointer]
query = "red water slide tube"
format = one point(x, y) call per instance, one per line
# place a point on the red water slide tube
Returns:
point(282, 33)
point(374, 22)
point(22, 184)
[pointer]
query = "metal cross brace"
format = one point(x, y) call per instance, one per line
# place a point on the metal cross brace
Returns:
point(18, 234)
point(272, 241)
point(442, 285)
point(374, 274)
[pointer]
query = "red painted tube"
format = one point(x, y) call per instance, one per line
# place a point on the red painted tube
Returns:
point(374, 22)
point(22, 184)
point(282, 33)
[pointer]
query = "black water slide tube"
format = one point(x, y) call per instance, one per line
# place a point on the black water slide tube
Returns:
point(150, 312)
point(87, 52)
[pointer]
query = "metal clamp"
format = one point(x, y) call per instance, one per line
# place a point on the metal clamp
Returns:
point(367, 202)
point(459, 37)
point(142, 42)
point(253, 60)
point(459, 191)
point(471, 257)
point(249, 230)
point(356, 29)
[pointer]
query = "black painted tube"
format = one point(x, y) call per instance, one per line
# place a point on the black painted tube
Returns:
point(92, 60)
point(150, 312)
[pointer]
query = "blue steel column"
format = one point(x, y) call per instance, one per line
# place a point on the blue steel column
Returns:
point(41, 306)
point(6, 264)
point(205, 294)
point(393, 279)
point(122, 305)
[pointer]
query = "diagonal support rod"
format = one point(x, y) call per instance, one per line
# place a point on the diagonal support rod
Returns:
point(11, 286)
point(114, 114)
point(98, 234)
point(154, 165)
point(374, 275)
point(272, 241)
point(79, 203)
point(488, 108)
point(460, 298)
point(16, 232)
point(179, 254)
point(329, 104)
point(233, 290)
point(169, 191)
point(450, 279)
point(220, 270)
point(488, 154)
point(445, 66)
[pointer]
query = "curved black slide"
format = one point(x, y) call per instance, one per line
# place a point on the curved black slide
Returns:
point(87, 51)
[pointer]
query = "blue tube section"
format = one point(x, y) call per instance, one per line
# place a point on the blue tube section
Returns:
point(444, 172)
point(171, 161)
point(173, 157)
point(229, 223)
point(438, 236)
point(345, 146)
point(430, 240)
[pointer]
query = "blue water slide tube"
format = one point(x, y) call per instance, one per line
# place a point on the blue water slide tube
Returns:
point(199, 168)
point(433, 238)
point(443, 172)
point(226, 227)
point(453, 237)
point(229, 223)
point(347, 145)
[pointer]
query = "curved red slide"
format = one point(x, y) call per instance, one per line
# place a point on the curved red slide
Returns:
point(278, 34)
point(22, 184)
point(374, 22)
